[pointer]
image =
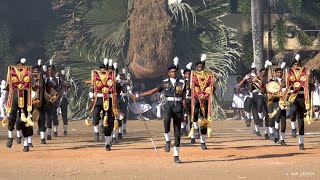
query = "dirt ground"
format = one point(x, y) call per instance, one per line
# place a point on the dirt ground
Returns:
point(233, 153)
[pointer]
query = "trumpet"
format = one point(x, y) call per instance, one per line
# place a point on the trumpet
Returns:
point(256, 83)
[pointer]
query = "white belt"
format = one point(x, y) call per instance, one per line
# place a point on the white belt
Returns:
point(301, 92)
point(100, 95)
point(188, 97)
point(256, 90)
point(173, 99)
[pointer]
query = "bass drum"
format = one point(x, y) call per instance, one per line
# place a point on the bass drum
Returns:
point(273, 87)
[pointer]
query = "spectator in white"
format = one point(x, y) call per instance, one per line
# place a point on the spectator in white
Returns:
point(3, 99)
point(316, 98)
point(140, 106)
point(157, 105)
point(238, 100)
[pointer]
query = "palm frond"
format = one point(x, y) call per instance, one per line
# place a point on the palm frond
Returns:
point(181, 10)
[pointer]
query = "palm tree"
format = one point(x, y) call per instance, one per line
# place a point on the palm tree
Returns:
point(257, 32)
point(144, 35)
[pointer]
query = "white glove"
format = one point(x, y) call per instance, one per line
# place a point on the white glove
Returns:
point(118, 77)
point(51, 78)
point(246, 77)
point(91, 95)
point(283, 89)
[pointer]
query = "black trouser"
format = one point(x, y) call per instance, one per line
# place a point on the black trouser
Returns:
point(174, 110)
point(15, 110)
point(97, 116)
point(197, 110)
point(64, 110)
point(187, 111)
point(42, 118)
point(263, 108)
point(298, 107)
point(123, 106)
point(51, 115)
point(254, 107)
point(280, 116)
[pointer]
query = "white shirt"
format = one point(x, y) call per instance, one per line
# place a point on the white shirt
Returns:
point(173, 81)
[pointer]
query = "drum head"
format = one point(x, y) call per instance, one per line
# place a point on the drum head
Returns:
point(273, 87)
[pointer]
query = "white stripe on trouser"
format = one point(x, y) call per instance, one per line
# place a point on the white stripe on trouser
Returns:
point(203, 138)
point(271, 130)
point(276, 125)
point(282, 136)
point(107, 140)
point(49, 131)
point(55, 128)
point(18, 133)
point(195, 125)
point(183, 124)
point(260, 115)
point(25, 141)
point(96, 128)
point(113, 134)
point(256, 128)
point(175, 151)
point(42, 135)
point(293, 125)
point(316, 115)
point(65, 127)
point(301, 139)
point(9, 134)
point(248, 115)
point(120, 130)
point(167, 136)
point(29, 139)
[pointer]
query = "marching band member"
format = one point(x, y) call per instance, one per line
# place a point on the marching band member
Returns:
point(19, 101)
point(3, 99)
point(299, 82)
point(105, 100)
point(187, 103)
point(64, 101)
point(201, 100)
point(316, 98)
point(173, 90)
point(52, 102)
point(277, 113)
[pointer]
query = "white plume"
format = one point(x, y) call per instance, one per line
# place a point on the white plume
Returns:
point(203, 57)
point(44, 68)
point(110, 63)
point(63, 72)
point(189, 65)
point(3, 82)
point(181, 71)
point(39, 62)
point(115, 65)
point(267, 64)
point(253, 65)
point(23, 60)
point(176, 61)
point(297, 57)
point(283, 65)
point(105, 61)
point(51, 62)
point(124, 70)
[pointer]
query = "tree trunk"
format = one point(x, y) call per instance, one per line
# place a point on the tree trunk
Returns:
point(257, 32)
point(150, 46)
point(269, 22)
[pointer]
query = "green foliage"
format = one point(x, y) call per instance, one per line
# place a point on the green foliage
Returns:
point(280, 32)
point(6, 56)
point(245, 9)
point(247, 56)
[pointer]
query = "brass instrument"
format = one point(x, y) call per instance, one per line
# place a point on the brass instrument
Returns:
point(36, 95)
point(53, 96)
point(256, 83)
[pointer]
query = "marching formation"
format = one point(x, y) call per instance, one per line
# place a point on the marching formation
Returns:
point(38, 94)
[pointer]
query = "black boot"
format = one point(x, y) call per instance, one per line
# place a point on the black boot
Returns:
point(96, 137)
point(30, 145)
point(184, 132)
point(120, 135)
point(124, 131)
point(248, 122)
point(203, 146)
point(271, 137)
point(55, 134)
point(301, 146)
point(43, 141)
point(25, 148)
point(294, 133)
point(114, 140)
point(282, 143)
point(108, 147)
point(65, 133)
point(257, 133)
point(176, 159)
point(266, 136)
point(48, 137)
point(260, 123)
point(193, 140)
point(276, 136)
point(9, 142)
point(167, 148)
point(18, 140)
